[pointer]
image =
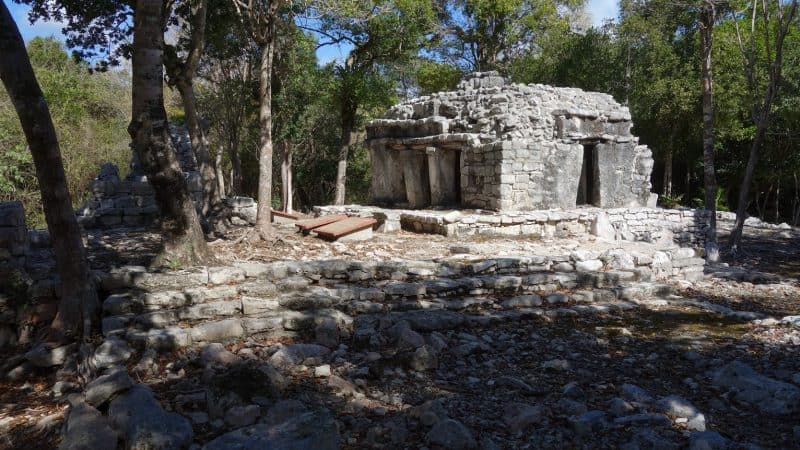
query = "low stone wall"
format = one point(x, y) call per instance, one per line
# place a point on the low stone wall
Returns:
point(168, 310)
point(686, 227)
point(13, 235)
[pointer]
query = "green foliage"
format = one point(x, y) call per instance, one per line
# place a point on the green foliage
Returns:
point(90, 114)
point(670, 202)
point(433, 76)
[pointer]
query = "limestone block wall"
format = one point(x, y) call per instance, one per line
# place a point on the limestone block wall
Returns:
point(518, 147)
point(685, 227)
point(116, 202)
point(28, 281)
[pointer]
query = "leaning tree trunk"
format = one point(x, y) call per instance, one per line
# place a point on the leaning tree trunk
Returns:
point(762, 122)
point(709, 174)
point(78, 303)
point(197, 136)
point(264, 214)
point(668, 173)
point(184, 242)
point(344, 150)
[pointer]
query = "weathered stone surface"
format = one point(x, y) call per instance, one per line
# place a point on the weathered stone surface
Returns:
point(48, 355)
point(113, 351)
point(106, 386)
point(144, 425)
point(290, 355)
point(309, 430)
point(87, 429)
point(767, 395)
point(217, 331)
point(451, 435)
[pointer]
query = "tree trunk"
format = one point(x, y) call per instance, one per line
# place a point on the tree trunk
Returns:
point(286, 177)
point(78, 303)
point(197, 136)
point(778, 200)
point(184, 242)
point(220, 175)
point(668, 173)
point(796, 201)
point(344, 150)
point(709, 174)
point(263, 219)
point(236, 167)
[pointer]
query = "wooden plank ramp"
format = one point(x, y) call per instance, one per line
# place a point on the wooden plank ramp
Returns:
point(345, 227)
point(309, 224)
point(283, 217)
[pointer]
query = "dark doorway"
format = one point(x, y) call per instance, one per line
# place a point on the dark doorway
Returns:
point(587, 186)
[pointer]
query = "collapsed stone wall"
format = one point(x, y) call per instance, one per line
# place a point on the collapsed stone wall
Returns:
point(28, 281)
point(496, 145)
point(131, 202)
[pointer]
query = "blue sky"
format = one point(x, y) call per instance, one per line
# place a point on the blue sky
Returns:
point(599, 10)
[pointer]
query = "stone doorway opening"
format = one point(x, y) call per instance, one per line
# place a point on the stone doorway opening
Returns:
point(444, 175)
point(588, 190)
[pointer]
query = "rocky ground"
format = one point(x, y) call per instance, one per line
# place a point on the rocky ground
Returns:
point(714, 367)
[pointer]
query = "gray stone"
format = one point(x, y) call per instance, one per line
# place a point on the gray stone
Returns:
point(592, 265)
point(430, 412)
point(144, 425)
point(602, 228)
point(87, 429)
point(327, 333)
point(112, 352)
point(589, 423)
point(676, 406)
point(569, 407)
point(217, 331)
point(523, 301)
point(312, 430)
point(424, 358)
point(106, 386)
point(768, 395)
point(644, 419)
point(450, 434)
point(708, 440)
point(242, 416)
point(216, 354)
point(294, 354)
point(520, 416)
point(619, 407)
point(49, 355)
point(634, 393)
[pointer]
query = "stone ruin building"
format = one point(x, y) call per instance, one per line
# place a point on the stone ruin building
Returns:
point(492, 144)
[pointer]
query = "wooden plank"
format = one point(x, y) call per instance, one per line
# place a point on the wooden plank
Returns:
point(310, 224)
point(344, 227)
point(284, 215)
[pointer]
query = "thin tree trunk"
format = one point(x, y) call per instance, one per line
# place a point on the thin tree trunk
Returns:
point(236, 167)
point(183, 238)
point(778, 200)
point(709, 174)
point(220, 175)
point(264, 215)
point(199, 141)
point(796, 201)
point(286, 177)
point(344, 150)
point(762, 123)
point(78, 303)
point(668, 173)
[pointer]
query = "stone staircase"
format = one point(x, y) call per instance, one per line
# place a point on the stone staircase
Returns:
point(336, 300)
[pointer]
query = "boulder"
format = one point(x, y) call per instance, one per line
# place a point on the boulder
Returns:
point(748, 387)
point(145, 425)
point(451, 434)
point(87, 429)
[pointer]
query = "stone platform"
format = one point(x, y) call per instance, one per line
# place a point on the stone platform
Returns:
point(686, 227)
